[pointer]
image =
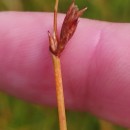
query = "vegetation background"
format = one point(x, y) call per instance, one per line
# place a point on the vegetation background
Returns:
point(19, 115)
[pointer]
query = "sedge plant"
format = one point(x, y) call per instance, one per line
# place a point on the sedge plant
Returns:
point(56, 46)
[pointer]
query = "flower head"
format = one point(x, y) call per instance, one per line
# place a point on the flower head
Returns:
point(69, 26)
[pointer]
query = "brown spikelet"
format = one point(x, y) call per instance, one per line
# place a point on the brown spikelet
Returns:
point(68, 28)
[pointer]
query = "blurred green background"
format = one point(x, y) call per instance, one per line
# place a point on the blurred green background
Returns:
point(19, 115)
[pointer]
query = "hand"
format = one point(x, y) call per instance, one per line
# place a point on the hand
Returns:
point(95, 64)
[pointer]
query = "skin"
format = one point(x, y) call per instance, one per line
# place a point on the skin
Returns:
point(95, 64)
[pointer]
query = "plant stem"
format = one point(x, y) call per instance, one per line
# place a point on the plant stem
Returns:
point(59, 92)
point(55, 17)
point(58, 75)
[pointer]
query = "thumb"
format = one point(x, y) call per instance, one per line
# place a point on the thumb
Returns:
point(95, 64)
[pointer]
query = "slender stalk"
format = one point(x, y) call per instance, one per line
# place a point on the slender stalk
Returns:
point(55, 17)
point(104, 125)
point(59, 92)
point(58, 76)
